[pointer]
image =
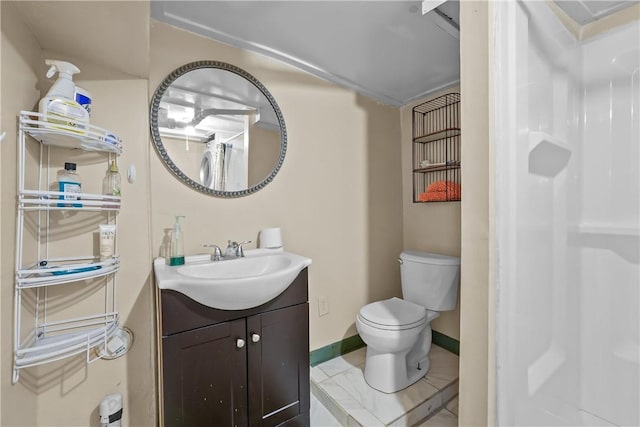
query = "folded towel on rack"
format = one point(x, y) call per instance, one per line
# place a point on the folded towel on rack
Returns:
point(441, 191)
point(435, 196)
point(445, 186)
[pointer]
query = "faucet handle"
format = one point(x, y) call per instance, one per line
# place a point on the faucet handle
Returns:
point(217, 252)
point(240, 250)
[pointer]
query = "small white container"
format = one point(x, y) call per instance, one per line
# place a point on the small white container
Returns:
point(111, 411)
point(270, 238)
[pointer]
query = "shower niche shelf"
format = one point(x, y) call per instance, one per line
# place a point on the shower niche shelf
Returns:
point(548, 155)
point(43, 330)
point(436, 150)
point(623, 229)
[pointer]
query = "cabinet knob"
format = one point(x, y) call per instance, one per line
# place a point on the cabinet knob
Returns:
point(255, 337)
point(239, 343)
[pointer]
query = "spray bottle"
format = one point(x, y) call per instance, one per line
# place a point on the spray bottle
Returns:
point(177, 244)
point(59, 104)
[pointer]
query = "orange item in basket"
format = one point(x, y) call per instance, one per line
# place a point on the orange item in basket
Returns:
point(435, 196)
point(441, 191)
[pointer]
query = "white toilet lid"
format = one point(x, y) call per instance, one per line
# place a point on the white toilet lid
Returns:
point(394, 312)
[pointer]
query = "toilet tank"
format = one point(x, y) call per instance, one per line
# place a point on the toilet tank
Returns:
point(431, 280)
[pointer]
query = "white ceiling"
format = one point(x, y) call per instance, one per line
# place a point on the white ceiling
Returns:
point(386, 50)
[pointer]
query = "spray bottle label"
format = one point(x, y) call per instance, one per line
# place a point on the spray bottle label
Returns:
point(67, 113)
point(83, 98)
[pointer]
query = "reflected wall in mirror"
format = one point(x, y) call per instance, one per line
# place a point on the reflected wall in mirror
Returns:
point(218, 129)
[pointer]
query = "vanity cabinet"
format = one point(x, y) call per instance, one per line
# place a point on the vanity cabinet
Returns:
point(235, 368)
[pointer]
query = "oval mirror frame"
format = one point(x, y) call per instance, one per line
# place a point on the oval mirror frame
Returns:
point(162, 151)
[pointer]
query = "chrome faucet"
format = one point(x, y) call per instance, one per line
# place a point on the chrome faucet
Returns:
point(235, 249)
point(217, 252)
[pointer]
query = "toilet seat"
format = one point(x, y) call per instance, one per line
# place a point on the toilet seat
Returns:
point(393, 314)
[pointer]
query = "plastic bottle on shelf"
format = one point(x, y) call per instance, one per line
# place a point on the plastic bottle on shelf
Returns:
point(59, 105)
point(111, 181)
point(69, 183)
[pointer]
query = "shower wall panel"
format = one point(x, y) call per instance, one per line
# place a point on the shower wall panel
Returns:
point(567, 195)
point(607, 231)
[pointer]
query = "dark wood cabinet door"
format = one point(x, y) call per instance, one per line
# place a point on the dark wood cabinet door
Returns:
point(205, 377)
point(278, 356)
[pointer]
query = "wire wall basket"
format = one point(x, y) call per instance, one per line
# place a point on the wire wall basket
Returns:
point(436, 150)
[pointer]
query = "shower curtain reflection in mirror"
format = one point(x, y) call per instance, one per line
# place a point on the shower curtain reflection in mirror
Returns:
point(214, 168)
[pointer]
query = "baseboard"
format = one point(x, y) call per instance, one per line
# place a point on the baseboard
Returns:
point(350, 344)
point(446, 342)
point(334, 350)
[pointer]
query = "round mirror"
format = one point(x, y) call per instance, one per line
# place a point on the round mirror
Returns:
point(218, 129)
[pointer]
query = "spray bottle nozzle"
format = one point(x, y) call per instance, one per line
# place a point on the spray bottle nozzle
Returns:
point(52, 70)
point(65, 69)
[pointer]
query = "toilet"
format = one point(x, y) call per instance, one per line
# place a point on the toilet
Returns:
point(398, 331)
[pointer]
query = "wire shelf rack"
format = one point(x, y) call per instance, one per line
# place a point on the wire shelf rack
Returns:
point(436, 150)
point(43, 332)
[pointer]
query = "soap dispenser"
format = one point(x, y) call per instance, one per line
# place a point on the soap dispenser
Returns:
point(176, 256)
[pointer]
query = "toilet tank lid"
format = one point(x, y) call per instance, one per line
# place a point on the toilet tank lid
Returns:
point(429, 258)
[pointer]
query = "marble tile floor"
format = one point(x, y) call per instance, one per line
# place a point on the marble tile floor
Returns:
point(339, 386)
point(445, 417)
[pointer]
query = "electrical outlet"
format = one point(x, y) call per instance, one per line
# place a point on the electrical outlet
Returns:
point(323, 306)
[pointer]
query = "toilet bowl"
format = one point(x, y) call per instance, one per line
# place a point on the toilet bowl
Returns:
point(398, 338)
point(398, 331)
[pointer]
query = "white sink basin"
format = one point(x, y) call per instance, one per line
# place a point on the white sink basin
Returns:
point(235, 284)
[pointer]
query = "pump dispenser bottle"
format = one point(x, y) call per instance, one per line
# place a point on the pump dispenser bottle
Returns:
point(59, 105)
point(177, 244)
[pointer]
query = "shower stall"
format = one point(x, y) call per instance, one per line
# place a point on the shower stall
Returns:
point(567, 220)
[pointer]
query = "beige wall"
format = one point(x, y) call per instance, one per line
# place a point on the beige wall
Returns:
point(476, 383)
point(336, 197)
point(264, 151)
point(431, 227)
point(67, 393)
point(132, 375)
point(187, 160)
point(20, 56)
